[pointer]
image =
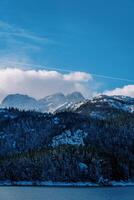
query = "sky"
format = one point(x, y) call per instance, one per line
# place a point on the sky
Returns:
point(44, 41)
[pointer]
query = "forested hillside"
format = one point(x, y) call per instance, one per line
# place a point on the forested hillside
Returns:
point(66, 146)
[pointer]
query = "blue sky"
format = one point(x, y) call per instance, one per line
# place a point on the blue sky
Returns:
point(82, 35)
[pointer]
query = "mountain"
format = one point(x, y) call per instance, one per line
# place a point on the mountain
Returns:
point(69, 146)
point(75, 97)
point(19, 101)
point(50, 103)
point(90, 141)
point(102, 106)
point(47, 104)
point(59, 101)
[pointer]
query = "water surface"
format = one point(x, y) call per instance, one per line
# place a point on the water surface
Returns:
point(68, 193)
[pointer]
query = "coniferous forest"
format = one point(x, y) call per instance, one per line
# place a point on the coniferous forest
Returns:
point(66, 147)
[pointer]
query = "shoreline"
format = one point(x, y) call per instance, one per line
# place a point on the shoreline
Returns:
point(65, 184)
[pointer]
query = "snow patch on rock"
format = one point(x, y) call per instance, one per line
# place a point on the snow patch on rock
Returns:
point(68, 137)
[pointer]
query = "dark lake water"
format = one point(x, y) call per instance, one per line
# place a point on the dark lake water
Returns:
point(57, 193)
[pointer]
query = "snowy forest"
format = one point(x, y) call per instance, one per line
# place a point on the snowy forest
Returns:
point(66, 146)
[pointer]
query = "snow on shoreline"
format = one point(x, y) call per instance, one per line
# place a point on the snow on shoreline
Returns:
point(64, 184)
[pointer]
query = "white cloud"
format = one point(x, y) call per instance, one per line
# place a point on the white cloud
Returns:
point(78, 76)
point(127, 90)
point(40, 83)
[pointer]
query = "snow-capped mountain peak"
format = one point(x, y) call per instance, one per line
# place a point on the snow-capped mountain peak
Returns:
point(102, 106)
point(47, 104)
point(19, 101)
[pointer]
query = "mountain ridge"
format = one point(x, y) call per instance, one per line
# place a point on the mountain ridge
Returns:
point(47, 104)
point(75, 101)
